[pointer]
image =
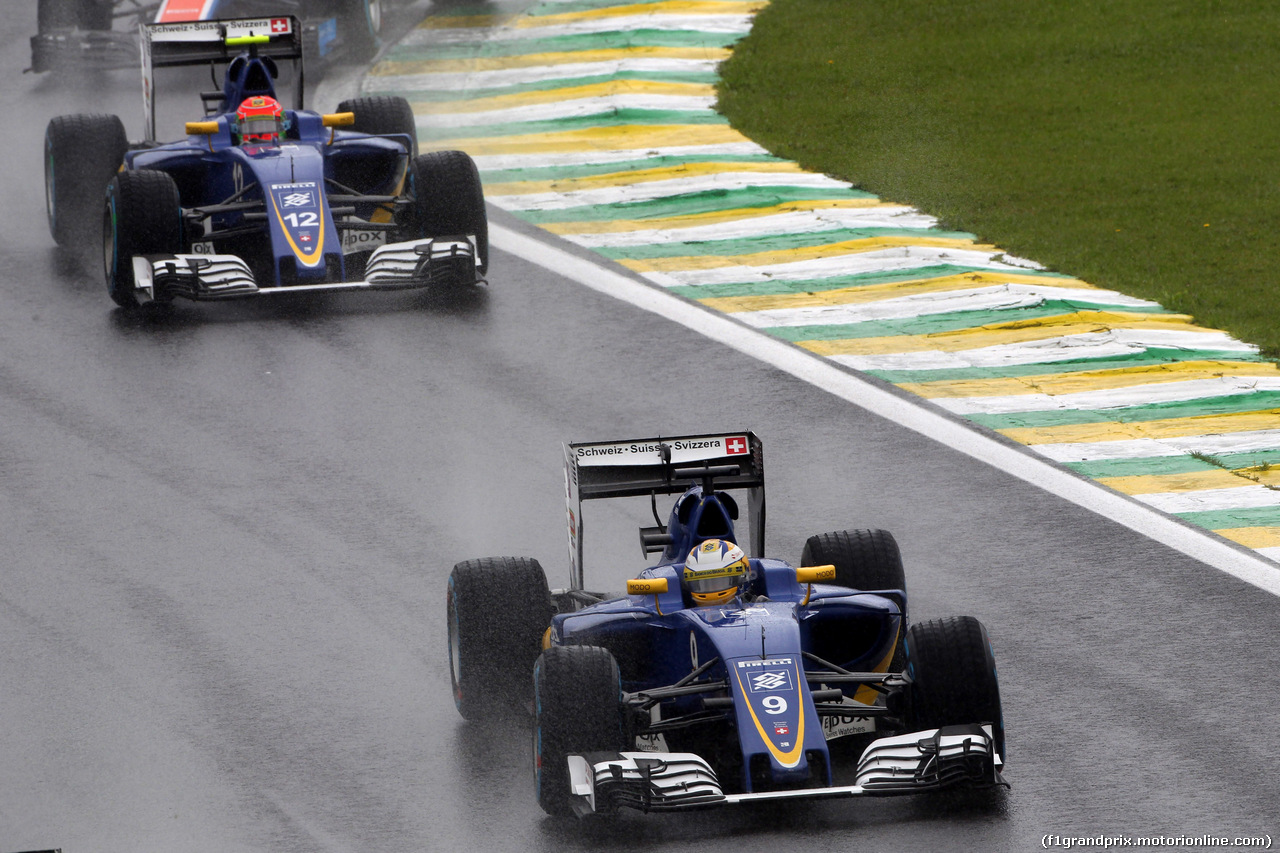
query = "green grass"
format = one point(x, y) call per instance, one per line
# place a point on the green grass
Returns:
point(1132, 143)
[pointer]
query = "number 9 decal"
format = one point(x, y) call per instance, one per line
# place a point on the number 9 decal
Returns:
point(774, 704)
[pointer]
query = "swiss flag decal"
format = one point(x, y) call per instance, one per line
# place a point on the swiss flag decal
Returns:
point(736, 445)
point(279, 25)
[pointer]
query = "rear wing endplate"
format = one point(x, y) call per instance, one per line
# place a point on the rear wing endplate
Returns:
point(206, 42)
point(661, 466)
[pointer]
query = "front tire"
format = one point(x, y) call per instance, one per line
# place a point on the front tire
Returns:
point(142, 216)
point(449, 200)
point(578, 709)
point(73, 14)
point(953, 676)
point(81, 153)
point(498, 609)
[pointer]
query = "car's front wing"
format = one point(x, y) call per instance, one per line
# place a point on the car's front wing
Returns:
point(902, 764)
point(83, 50)
point(396, 266)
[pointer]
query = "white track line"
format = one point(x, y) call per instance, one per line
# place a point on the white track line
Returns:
point(916, 416)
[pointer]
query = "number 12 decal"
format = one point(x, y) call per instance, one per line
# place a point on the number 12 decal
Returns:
point(301, 220)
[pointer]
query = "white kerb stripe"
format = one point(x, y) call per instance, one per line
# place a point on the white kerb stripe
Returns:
point(1113, 343)
point(1114, 398)
point(855, 263)
point(989, 298)
point(650, 190)
point(793, 222)
point(432, 117)
point(1211, 500)
point(717, 24)
point(498, 78)
point(1217, 444)
point(593, 156)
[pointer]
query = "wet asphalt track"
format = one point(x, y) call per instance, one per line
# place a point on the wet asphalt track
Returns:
point(228, 529)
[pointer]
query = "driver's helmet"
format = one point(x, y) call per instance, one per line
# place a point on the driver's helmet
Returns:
point(714, 572)
point(260, 120)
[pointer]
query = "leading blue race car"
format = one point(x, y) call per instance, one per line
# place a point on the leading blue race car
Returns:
point(320, 202)
point(719, 678)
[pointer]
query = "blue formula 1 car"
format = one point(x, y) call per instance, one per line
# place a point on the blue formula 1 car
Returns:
point(98, 34)
point(719, 678)
point(320, 202)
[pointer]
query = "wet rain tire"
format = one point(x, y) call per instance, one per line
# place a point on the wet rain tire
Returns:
point(498, 609)
point(953, 672)
point(449, 200)
point(577, 709)
point(383, 114)
point(361, 22)
point(142, 216)
point(73, 14)
point(81, 153)
point(864, 560)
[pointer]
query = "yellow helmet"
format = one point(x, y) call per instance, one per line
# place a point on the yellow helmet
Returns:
point(714, 572)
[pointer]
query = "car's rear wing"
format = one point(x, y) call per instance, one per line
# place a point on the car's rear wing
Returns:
point(662, 466)
point(278, 37)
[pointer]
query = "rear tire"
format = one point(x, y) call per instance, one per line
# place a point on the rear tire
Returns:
point(383, 114)
point(498, 610)
point(81, 153)
point(864, 560)
point(142, 216)
point(361, 22)
point(953, 672)
point(449, 200)
point(577, 693)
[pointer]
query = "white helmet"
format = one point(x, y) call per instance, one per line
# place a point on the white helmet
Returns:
point(714, 571)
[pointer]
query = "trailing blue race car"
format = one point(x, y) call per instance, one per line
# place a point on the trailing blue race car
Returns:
point(720, 678)
point(95, 34)
point(258, 199)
